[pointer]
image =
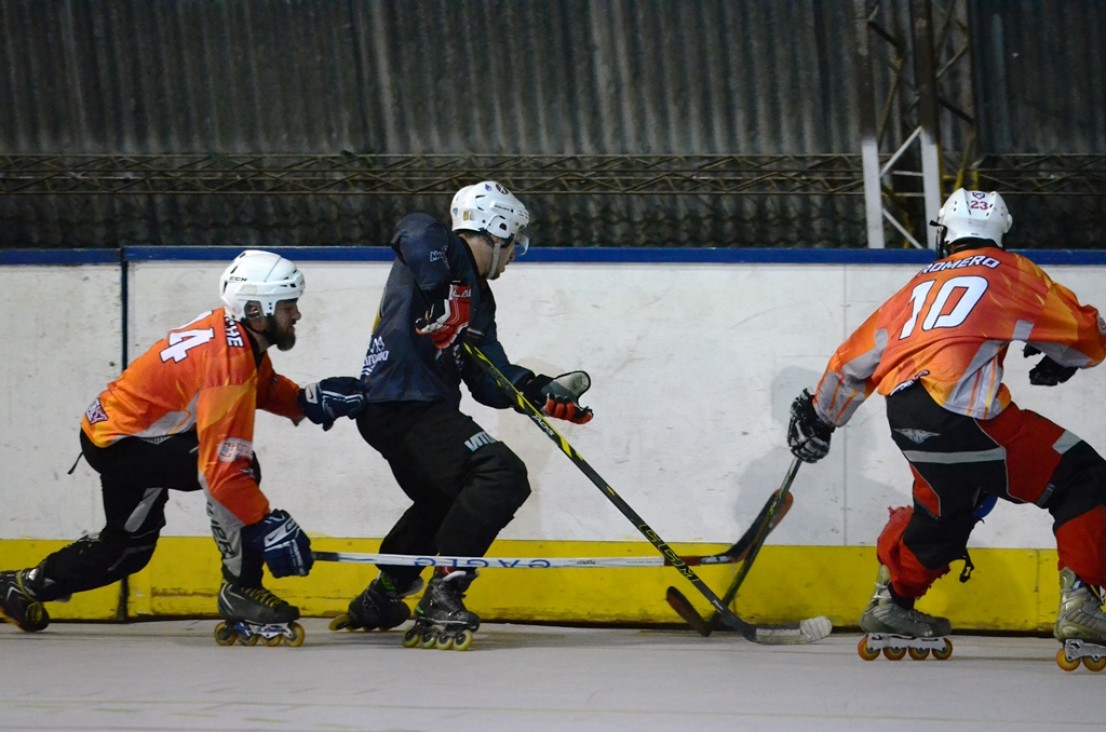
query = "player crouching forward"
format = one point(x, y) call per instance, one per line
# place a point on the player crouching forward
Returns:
point(181, 417)
point(935, 350)
point(464, 484)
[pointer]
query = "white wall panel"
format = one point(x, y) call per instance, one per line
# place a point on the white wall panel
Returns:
point(61, 345)
point(693, 367)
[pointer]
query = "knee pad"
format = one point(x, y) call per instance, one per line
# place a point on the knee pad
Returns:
point(1078, 485)
point(497, 487)
point(93, 562)
point(499, 482)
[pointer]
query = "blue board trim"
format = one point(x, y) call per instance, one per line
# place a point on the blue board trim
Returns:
point(581, 255)
point(59, 256)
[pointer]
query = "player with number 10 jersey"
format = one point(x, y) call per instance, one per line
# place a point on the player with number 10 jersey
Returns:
point(949, 329)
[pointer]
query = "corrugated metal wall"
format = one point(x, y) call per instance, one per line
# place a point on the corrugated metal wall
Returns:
point(1040, 76)
point(499, 77)
point(429, 76)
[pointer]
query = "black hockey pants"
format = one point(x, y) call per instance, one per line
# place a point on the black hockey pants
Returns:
point(135, 477)
point(464, 484)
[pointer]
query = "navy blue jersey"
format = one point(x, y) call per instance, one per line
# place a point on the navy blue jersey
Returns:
point(402, 365)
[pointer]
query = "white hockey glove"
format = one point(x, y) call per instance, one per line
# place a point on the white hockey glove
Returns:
point(559, 396)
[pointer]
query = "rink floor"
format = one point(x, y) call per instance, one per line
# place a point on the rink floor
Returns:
point(170, 675)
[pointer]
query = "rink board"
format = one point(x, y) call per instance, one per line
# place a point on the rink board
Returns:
point(1010, 589)
point(697, 457)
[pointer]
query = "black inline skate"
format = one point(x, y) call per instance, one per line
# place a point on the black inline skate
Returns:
point(441, 620)
point(252, 614)
point(18, 605)
point(379, 606)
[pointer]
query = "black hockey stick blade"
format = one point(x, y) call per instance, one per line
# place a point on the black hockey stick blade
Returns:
point(684, 609)
point(734, 554)
point(740, 549)
point(748, 547)
point(773, 511)
point(724, 614)
point(775, 503)
point(805, 631)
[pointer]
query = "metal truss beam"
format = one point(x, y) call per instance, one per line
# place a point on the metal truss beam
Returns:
point(419, 174)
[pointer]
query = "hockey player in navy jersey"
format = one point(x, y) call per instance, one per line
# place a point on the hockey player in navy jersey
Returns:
point(464, 484)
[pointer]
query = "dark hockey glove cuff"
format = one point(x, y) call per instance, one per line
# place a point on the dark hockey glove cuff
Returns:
point(335, 396)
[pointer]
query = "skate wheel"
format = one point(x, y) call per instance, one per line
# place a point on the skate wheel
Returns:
point(1094, 663)
point(342, 622)
point(275, 641)
point(1062, 660)
point(463, 640)
point(428, 640)
point(918, 654)
point(223, 635)
point(894, 654)
point(943, 655)
point(411, 638)
point(249, 640)
point(444, 642)
point(868, 654)
point(298, 634)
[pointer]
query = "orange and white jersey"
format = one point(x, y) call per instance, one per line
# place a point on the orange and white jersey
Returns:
point(204, 377)
point(949, 329)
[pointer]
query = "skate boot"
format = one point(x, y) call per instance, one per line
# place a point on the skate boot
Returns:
point(1080, 625)
point(897, 629)
point(380, 606)
point(18, 605)
point(251, 614)
point(441, 620)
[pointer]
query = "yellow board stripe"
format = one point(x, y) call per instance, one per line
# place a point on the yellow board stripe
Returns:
point(1014, 590)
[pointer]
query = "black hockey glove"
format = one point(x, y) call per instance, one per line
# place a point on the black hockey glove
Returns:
point(447, 316)
point(282, 543)
point(559, 396)
point(333, 397)
point(1047, 372)
point(807, 435)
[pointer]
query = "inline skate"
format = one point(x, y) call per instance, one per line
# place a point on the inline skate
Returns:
point(1080, 625)
point(379, 606)
point(896, 630)
point(441, 619)
point(252, 614)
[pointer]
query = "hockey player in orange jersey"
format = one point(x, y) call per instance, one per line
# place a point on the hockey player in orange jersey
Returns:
point(181, 417)
point(935, 350)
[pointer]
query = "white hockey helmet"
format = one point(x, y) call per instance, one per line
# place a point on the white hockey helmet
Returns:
point(262, 277)
point(972, 215)
point(488, 207)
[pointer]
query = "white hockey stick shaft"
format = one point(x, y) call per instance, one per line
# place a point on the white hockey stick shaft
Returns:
point(411, 560)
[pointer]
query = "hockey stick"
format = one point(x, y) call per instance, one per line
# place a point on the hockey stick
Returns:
point(732, 555)
point(774, 509)
point(805, 631)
